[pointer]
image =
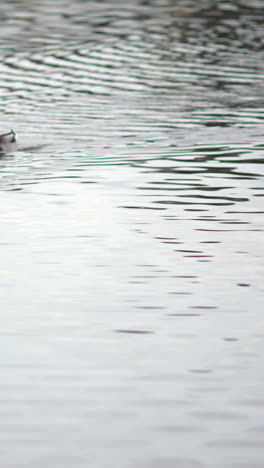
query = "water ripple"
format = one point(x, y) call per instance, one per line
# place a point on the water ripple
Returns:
point(132, 233)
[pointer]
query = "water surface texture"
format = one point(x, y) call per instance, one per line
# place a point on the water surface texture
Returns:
point(132, 325)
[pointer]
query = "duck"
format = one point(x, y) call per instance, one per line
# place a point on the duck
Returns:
point(8, 142)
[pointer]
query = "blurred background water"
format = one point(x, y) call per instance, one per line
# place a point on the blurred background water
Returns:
point(132, 234)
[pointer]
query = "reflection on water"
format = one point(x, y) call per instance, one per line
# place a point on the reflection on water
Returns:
point(131, 234)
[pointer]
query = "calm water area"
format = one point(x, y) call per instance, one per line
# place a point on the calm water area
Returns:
point(132, 260)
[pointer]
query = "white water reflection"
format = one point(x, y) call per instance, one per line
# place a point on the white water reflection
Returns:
point(131, 235)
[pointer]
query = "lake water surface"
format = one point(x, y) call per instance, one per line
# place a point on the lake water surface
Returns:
point(132, 327)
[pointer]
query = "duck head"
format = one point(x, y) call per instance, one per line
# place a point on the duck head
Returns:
point(8, 142)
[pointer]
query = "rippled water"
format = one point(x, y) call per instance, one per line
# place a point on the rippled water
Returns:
point(132, 234)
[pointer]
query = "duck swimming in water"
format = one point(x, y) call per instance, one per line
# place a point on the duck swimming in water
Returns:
point(8, 142)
